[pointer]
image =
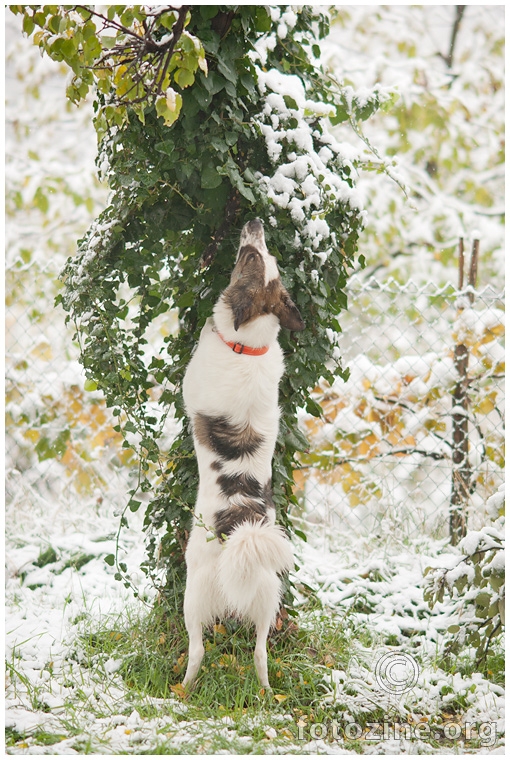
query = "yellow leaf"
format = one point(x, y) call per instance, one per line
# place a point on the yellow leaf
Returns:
point(492, 333)
point(227, 659)
point(280, 698)
point(299, 481)
point(350, 479)
point(314, 425)
point(485, 406)
point(373, 415)
point(43, 351)
point(436, 426)
point(332, 406)
point(393, 437)
point(354, 500)
point(179, 690)
point(368, 446)
point(220, 628)
point(119, 73)
point(32, 435)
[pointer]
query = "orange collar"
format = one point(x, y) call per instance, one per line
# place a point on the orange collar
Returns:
point(240, 348)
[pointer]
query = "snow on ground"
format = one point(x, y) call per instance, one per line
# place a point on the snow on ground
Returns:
point(48, 605)
point(52, 691)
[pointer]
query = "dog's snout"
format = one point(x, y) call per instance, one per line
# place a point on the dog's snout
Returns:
point(254, 227)
point(253, 234)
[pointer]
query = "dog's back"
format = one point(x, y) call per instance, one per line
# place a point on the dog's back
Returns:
point(236, 551)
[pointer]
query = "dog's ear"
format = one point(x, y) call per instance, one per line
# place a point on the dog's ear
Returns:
point(241, 303)
point(288, 313)
point(242, 313)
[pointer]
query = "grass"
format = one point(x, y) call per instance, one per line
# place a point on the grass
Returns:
point(44, 738)
point(464, 663)
point(154, 655)
point(137, 664)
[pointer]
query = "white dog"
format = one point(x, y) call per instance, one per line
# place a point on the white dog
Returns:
point(236, 551)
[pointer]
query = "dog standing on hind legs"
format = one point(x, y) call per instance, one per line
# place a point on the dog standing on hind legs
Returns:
point(236, 551)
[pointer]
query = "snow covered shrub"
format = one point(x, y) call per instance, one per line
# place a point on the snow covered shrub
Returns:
point(475, 585)
point(206, 118)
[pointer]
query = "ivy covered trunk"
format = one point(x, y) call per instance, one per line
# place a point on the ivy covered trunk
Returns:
point(232, 123)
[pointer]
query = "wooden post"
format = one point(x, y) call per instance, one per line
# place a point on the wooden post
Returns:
point(461, 263)
point(461, 470)
point(473, 268)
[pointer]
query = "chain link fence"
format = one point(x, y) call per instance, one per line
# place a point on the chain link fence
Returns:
point(61, 450)
point(381, 458)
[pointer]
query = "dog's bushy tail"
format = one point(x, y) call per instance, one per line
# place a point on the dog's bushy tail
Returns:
point(250, 561)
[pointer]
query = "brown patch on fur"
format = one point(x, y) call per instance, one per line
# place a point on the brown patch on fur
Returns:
point(227, 440)
point(245, 485)
point(287, 311)
point(227, 520)
point(255, 500)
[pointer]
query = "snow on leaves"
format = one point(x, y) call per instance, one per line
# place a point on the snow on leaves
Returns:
point(312, 171)
point(475, 585)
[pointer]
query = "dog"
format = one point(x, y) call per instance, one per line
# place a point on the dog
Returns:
point(236, 552)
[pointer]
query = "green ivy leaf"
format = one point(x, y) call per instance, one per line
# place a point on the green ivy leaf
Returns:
point(209, 178)
point(184, 77)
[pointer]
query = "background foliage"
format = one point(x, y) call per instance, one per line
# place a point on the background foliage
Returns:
point(443, 138)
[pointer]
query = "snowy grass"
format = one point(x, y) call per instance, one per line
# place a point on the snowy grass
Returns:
point(107, 680)
point(134, 710)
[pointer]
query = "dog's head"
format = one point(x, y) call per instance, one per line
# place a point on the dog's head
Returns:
point(255, 288)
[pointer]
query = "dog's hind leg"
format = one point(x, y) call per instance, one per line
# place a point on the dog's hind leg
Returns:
point(260, 654)
point(263, 613)
point(195, 650)
point(193, 618)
